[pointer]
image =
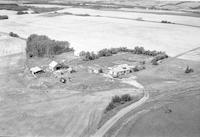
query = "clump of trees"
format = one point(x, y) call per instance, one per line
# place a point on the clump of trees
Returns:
point(118, 100)
point(13, 6)
point(41, 45)
point(164, 21)
point(12, 34)
point(159, 57)
point(188, 70)
point(2, 17)
point(109, 52)
point(88, 55)
point(21, 12)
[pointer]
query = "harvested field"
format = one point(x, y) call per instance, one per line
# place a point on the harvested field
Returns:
point(117, 31)
point(10, 45)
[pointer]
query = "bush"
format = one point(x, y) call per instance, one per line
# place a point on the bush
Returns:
point(100, 70)
point(88, 55)
point(138, 68)
point(188, 70)
point(13, 34)
point(82, 53)
point(40, 45)
point(2, 17)
point(109, 52)
point(158, 57)
point(126, 98)
point(110, 106)
point(164, 21)
point(104, 53)
point(21, 12)
point(116, 99)
point(14, 7)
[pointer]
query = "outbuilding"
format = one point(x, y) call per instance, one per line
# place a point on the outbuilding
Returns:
point(53, 65)
point(36, 70)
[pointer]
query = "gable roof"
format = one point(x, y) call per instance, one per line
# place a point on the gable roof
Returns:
point(53, 64)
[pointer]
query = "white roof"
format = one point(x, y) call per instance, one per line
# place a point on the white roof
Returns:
point(35, 69)
point(53, 64)
point(122, 67)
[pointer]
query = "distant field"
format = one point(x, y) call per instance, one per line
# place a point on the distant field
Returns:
point(119, 29)
point(9, 45)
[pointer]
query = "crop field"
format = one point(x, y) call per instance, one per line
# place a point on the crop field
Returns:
point(120, 29)
point(10, 45)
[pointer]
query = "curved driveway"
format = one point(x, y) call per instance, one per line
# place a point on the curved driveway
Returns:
point(102, 131)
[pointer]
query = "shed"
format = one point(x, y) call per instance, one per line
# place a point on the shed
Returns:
point(36, 70)
point(53, 65)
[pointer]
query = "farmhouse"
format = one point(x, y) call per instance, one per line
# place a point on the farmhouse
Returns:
point(119, 70)
point(36, 70)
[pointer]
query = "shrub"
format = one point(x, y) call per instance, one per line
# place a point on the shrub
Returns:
point(2, 17)
point(154, 62)
point(88, 56)
point(82, 53)
point(138, 68)
point(126, 98)
point(21, 12)
point(104, 53)
point(159, 57)
point(109, 52)
point(116, 99)
point(14, 7)
point(110, 106)
point(164, 21)
point(188, 70)
point(100, 70)
point(40, 45)
point(139, 50)
point(13, 34)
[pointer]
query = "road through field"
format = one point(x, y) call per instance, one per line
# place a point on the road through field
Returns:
point(101, 132)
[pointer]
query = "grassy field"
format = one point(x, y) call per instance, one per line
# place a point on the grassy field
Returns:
point(172, 109)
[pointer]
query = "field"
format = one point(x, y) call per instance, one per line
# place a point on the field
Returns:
point(85, 33)
point(171, 107)
point(10, 45)
point(43, 106)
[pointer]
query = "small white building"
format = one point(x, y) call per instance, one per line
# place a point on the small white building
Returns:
point(36, 70)
point(53, 65)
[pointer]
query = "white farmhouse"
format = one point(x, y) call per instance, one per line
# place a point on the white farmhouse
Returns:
point(118, 70)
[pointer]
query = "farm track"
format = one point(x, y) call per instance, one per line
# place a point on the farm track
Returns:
point(107, 126)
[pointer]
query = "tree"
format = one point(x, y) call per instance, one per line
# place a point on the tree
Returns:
point(40, 45)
